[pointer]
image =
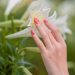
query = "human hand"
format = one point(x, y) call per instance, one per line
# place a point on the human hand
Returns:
point(53, 48)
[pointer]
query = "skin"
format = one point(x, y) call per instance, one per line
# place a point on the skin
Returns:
point(53, 48)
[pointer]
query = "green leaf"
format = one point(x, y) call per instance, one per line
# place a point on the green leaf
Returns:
point(25, 70)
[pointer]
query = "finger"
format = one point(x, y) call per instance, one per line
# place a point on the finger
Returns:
point(51, 37)
point(43, 33)
point(55, 31)
point(38, 42)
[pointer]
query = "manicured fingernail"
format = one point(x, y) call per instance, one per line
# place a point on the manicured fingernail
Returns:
point(36, 21)
point(45, 21)
point(32, 32)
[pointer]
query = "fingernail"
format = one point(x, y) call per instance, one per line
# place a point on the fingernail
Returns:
point(45, 21)
point(36, 21)
point(32, 32)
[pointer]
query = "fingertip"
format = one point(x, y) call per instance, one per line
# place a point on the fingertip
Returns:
point(32, 32)
point(49, 25)
point(36, 21)
point(45, 21)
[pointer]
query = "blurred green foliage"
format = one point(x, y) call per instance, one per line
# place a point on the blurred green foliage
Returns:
point(14, 53)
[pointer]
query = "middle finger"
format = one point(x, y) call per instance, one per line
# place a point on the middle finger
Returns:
point(43, 33)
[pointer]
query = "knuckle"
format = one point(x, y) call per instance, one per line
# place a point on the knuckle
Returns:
point(60, 47)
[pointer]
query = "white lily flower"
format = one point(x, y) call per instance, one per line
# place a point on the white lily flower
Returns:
point(36, 5)
point(42, 11)
point(10, 6)
point(15, 4)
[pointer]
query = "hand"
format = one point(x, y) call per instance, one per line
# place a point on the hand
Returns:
point(53, 48)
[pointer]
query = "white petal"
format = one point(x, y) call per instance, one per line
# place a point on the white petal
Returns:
point(46, 11)
point(32, 7)
point(36, 6)
point(67, 30)
point(44, 4)
point(62, 19)
point(30, 21)
point(11, 5)
point(54, 15)
point(23, 33)
point(27, 23)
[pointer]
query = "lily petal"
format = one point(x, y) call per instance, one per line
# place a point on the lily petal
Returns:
point(23, 33)
point(36, 5)
point(62, 19)
point(46, 11)
point(54, 15)
point(11, 5)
